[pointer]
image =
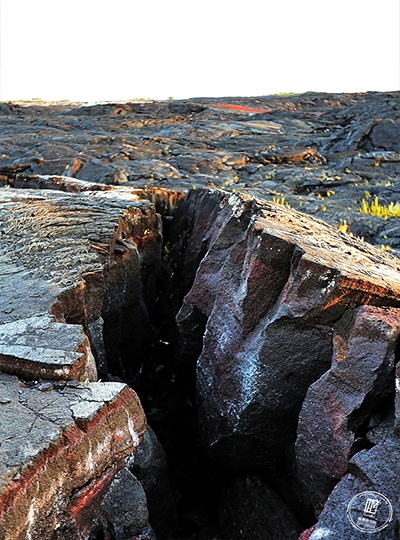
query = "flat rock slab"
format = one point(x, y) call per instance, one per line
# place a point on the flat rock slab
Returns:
point(54, 248)
point(47, 237)
point(61, 445)
point(39, 348)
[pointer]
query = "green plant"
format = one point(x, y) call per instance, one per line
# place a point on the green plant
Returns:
point(280, 200)
point(392, 210)
point(270, 176)
point(344, 228)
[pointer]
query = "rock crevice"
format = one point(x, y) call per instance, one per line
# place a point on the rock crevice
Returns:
point(262, 342)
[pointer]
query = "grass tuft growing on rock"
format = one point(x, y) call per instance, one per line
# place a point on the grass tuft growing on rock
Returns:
point(392, 210)
point(280, 200)
point(344, 228)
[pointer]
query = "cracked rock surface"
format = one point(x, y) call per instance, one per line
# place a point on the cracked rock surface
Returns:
point(61, 445)
point(63, 436)
point(318, 152)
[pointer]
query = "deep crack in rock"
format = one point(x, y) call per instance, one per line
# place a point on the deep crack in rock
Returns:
point(258, 339)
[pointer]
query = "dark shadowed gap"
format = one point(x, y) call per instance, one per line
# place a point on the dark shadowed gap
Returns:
point(144, 349)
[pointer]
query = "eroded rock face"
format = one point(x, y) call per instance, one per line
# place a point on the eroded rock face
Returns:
point(272, 285)
point(70, 264)
point(84, 258)
point(62, 444)
point(149, 465)
point(124, 508)
point(376, 471)
point(340, 404)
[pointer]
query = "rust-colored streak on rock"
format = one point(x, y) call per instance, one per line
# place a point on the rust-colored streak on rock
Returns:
point(78, 305)
point(239, 108)
point(29, 371)
point(306, 535)
point(270, 278)
point(84, 452)
point(89, 498)
point(166, 201)
point(39, 347)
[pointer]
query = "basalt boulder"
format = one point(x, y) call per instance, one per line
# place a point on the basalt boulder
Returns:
point(347, 401)
point(366, 501)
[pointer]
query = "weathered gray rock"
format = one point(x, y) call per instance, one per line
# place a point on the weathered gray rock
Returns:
point(270, 286)
point(85, 258)
point(385, 135)
point(65, 260)
point(39, 348)
point(61, 446)
point(338, 406)
point(124, 507)
point(320, 152)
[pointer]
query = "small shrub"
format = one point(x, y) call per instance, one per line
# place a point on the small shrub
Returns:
point(343, 227)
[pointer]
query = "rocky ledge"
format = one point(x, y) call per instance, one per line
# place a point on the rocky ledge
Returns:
point(145, 269)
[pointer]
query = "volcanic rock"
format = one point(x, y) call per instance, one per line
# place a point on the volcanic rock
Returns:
point(64, 260)
point(61, 446)
point(149, 465)
point(71, 255)
point(124, 507)
point(341, 402)
point(250, 509)
point(92, 277)
point(38, 347)
point(272, 278)
point(373, 471)
point(319, 153)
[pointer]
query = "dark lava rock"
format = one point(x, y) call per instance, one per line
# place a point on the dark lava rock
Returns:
point(149, 465)
point(58, 455)
point(270, 297)
point(339, 405)
point(377, 472)
point(272, 285)
point(124, 507)
point(250, 510)
point(317, 152)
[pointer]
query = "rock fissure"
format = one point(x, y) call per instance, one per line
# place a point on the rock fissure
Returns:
point(261, 342)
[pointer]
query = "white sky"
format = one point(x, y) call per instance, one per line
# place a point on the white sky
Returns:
point(88, 50)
